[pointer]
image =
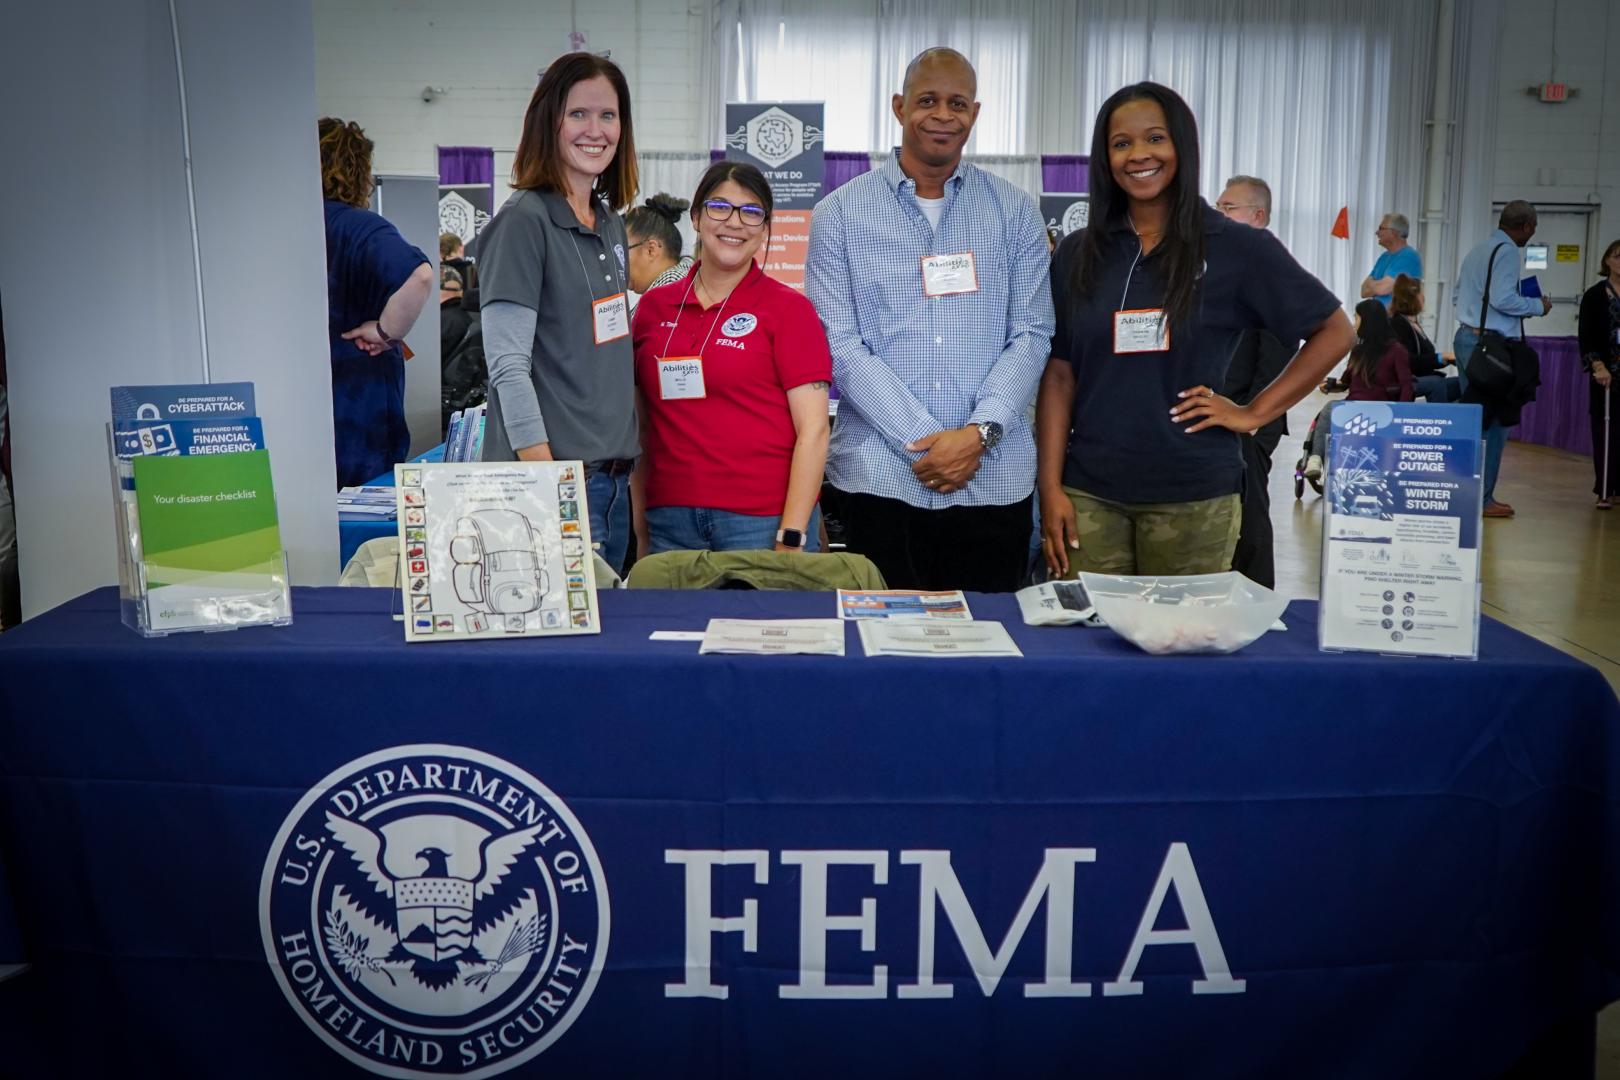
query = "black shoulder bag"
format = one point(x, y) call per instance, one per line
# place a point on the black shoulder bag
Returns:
point(1492, 363)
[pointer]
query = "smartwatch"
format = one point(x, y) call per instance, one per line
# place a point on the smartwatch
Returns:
point(793, 538)
point(989, 433)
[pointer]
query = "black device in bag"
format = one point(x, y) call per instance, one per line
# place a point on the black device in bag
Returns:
point(1492, 363)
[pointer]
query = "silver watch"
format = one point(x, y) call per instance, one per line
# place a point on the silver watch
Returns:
point(989, 433)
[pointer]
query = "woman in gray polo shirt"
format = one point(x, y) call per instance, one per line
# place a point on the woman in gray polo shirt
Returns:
point(552, 278)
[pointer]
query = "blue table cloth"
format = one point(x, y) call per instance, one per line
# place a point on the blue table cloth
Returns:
point(1087, 861)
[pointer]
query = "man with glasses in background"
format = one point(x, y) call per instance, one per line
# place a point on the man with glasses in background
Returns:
point(1398, 258)
point(931, 277)
point(1258, 359)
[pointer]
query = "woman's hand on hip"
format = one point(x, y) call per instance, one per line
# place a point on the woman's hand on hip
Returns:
point(1200, 407)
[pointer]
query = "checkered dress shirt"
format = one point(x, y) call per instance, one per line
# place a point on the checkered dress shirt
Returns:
point(907, 364)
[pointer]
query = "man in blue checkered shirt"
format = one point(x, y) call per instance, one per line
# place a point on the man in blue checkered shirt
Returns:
point(931, 278)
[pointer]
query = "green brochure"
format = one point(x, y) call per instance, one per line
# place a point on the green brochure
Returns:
point(210, 543)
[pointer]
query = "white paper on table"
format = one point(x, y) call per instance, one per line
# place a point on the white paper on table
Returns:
point(675, 635)
point(775, 637)
point(903, 604)
point(911, 637)
point(1057, 603)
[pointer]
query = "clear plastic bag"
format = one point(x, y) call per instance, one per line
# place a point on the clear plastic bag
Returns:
point(1201, 613)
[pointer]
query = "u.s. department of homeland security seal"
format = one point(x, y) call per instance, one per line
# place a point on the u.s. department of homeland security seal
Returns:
point(434, 911)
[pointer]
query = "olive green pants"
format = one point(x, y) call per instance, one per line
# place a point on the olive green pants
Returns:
point(1154, 538)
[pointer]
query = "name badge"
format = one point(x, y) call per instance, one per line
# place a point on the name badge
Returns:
point(1141, 331)
point(945, 275)
point(680, 378)
point(611, 318)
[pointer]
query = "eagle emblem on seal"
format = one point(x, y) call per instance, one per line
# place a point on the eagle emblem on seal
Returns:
point(436, 915)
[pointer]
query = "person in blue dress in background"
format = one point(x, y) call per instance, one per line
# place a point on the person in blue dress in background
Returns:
point(376, 286)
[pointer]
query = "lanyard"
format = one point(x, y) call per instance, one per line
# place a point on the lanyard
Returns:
point(690, 281)
point(1126, 291)
point(590, 286)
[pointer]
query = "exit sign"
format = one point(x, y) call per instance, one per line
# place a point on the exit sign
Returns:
point(1554, 91)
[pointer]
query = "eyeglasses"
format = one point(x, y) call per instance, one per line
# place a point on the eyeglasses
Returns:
point(720, 210)
point(638, 243)
point(1228, 207)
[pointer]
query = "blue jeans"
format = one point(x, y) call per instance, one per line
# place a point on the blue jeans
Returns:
point(608, 501)
point(1495, 435)
point(1432, 388)
point(693, 528)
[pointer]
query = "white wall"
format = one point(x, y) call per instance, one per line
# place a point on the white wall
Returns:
point(109, 295)
point(1578, 140)
point(487, 56)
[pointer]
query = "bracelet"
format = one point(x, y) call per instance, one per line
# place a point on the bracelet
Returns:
point(383, 333)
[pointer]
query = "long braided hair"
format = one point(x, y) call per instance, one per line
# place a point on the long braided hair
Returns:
point(345, 162)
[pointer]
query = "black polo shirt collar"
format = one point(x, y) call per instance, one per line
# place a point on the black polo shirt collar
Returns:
point(1214, 222)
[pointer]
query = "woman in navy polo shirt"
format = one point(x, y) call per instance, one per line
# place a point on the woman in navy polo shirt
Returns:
point(732, 370)
point(376, 286)
point(1139, 463)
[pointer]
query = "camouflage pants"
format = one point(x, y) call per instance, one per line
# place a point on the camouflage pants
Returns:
point(1154, 538)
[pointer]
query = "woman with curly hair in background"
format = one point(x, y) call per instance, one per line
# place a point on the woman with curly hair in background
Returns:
point(376, 286)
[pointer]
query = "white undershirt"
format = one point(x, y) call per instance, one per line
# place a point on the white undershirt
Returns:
point(931, 209)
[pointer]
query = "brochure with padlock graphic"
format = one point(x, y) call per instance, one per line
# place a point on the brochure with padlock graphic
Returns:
point(495, 549)
point(155, 406)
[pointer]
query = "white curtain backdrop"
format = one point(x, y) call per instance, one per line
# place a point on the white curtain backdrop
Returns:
point(852, 54)
point(1326, 101)
point(675, 174)
point(1475, 50)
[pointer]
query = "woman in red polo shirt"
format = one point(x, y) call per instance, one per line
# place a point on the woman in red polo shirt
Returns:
point(732, 370)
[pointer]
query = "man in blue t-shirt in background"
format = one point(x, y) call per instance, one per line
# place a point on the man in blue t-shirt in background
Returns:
point(1398, 258)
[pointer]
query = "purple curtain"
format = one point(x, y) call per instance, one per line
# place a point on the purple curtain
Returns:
point(466, 165)
point(842, 167)
point(1559, 416)
point(1065, 174)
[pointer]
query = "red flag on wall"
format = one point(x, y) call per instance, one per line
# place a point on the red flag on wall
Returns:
point(1341, 224)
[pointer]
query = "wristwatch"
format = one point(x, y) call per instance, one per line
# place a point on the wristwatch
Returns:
point(793, 538)
point(989, 433)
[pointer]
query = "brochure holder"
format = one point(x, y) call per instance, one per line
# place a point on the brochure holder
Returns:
point(1402, 505)
point(220, 600)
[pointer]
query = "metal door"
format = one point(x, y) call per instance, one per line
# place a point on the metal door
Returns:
point(1561, 258)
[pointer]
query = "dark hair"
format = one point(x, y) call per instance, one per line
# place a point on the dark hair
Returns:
point(1183, 240)
point(1516, 215)
point(1372, 340)
point(742, 173)
point(345, 161)
point(538, 163)
point(1403, 298)
point(655, 220)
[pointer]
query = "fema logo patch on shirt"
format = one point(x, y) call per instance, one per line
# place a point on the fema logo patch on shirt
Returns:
point(432, 910)
point(740, 325)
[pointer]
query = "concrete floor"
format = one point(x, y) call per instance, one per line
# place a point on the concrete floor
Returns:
point(1552, 571)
